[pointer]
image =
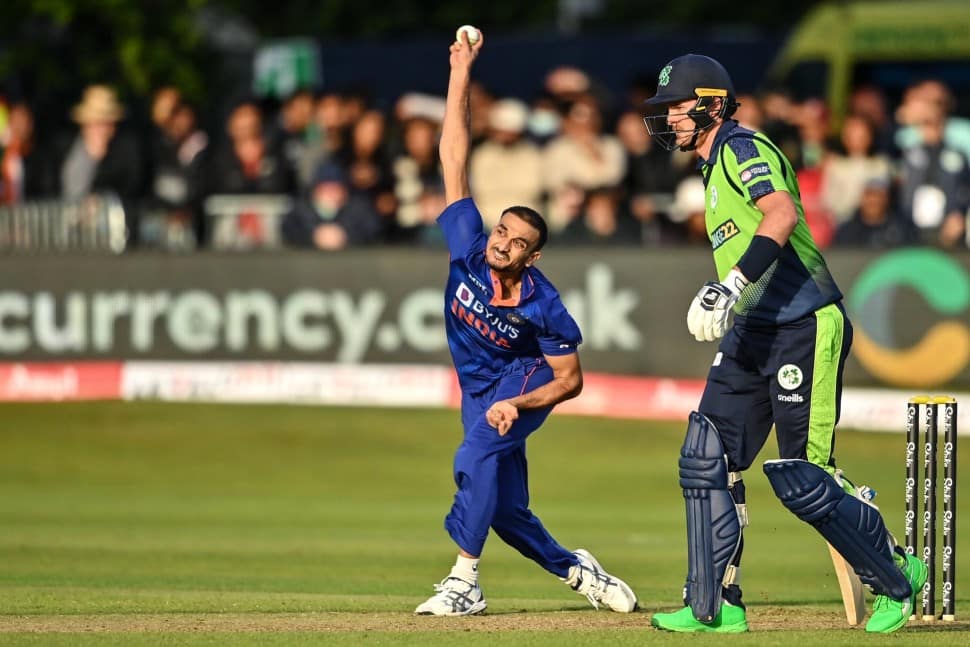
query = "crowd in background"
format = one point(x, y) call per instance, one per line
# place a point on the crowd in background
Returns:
point(358, 175)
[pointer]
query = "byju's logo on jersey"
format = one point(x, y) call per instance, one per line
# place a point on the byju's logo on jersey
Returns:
point(489, 324)
point(790, 377)
point(464, 295)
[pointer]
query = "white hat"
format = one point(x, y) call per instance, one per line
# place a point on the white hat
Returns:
point(509, 115)
point(688, 198)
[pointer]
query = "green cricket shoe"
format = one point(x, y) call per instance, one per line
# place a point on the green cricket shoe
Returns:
point(729, 620)
point(888, 614)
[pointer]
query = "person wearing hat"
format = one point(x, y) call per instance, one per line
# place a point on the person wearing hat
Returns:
point(101, 158)
point(780, 364)
point(506, 168)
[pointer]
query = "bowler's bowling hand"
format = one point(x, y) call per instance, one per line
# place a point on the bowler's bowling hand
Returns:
point(501, 415)
point(710, 311)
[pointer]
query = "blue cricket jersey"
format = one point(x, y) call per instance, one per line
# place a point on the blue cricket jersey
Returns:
point(487, 337)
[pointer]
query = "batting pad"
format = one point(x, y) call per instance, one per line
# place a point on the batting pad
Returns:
point(854, 528)
point(713, 526)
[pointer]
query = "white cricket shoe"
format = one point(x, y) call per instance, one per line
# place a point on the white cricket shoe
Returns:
point(588, 578)
point(453, 597)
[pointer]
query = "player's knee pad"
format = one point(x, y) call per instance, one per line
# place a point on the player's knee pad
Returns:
point(713, 523)
point(852, 526)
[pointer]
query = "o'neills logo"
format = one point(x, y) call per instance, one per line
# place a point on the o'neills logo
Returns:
point(791, 397)
point(473, 312)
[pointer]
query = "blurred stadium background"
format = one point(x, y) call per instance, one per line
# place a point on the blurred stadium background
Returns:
point(211, 211)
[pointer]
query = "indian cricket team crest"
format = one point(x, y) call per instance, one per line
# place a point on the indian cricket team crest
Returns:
point(790, 377)
point(664, 76)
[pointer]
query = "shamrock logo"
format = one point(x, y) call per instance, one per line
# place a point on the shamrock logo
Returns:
point(790, 377)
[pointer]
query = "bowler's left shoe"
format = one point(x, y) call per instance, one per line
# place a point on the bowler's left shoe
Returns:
point(590, 579)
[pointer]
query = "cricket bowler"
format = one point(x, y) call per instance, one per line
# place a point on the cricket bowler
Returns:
point(514, 346)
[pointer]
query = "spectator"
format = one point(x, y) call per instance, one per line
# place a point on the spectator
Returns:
point(813, 119)
point(101, 157)
point(291, 134)
point(365, 156)
point(582, 155)
point(480, 102)
point(427, 233)
point(544, 121)
point(369, 170)
point(327, 134)
point(177, 185)
point(331, 218)
point(845, 174)
point(164, 102)
point(24, 172)
point(779, 116)
point(749, 113)
point(935, 189)
point(956, 130)
point(506, 168)
point(567, 84)
point(869, 102)
point(416, 169)
point(813, 124)
point(875, 224)
point(687, 213)
point(602, 222)
point(650, 177)
point(247, 163)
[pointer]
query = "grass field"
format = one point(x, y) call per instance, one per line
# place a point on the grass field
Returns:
point(159, 524)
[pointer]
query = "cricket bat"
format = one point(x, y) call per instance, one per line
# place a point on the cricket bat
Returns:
point(853, 592)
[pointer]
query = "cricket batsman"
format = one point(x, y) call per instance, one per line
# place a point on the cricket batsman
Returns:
point(515, 349)
point(780, 363)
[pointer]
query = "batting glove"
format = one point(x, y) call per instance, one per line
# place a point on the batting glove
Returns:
point(707, 318)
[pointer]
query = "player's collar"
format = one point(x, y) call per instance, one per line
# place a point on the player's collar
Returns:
point(723, 132)
point(526, 290)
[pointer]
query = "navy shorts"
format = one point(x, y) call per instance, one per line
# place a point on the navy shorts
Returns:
point(789, 376)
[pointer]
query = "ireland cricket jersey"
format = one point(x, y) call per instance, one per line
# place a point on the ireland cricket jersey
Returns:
point(487, 336)
point(744, 166)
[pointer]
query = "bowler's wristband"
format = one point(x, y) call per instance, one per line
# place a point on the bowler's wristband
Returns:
point(761, 253)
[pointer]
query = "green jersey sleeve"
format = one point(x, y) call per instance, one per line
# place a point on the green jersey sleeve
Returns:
point(745, 167)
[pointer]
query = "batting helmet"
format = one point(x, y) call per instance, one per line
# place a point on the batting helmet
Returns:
point(691, 76)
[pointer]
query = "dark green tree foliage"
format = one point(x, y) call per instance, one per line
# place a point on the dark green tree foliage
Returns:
point(50, 49)
point(56, 46)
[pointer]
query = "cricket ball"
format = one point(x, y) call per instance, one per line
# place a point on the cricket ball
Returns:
point(471, 33)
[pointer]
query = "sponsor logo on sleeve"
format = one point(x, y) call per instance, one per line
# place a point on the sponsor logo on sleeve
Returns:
point(752, 172)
